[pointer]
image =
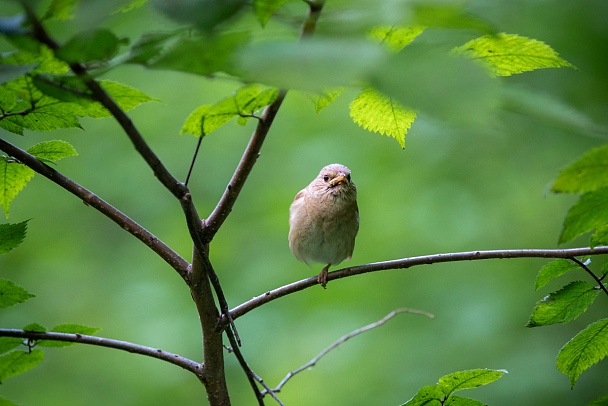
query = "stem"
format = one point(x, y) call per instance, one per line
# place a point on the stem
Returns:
point(590, 272)
point(175, 359)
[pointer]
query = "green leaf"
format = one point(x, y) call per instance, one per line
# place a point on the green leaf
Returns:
point(447, 15)
point(264, 9)
point(459, 401)
point(603, 401)
point(323, 99)
point(427, 396)
point(205, 15)
point(586, 349)
point(126, 97)
point(11, 235)
point(52, 151)
point(6, 402)
point(508, 54)
point(194, 122)
point(149, 46)
point(35, 327)
point(564, 305)
point(11, 294)
point(92, 45)
point(589, 213)
point(131, 6)
point(9, 343)
point(10, 72)
point(13, 178)
point(600, 237)
point(61, 9)
point(468, 379)
point(67, 328)
point(553, 270)
point(18, 362)
point(586, 174)
point(395, 38)
point(378, 113)
point(66, 88)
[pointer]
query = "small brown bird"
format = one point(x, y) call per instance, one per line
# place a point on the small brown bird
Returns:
point(324, 219)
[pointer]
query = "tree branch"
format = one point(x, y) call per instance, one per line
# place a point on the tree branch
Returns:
point(175, 359)
point(590, 272)
point(90, 199)
point(271, 295)
point(323, 353)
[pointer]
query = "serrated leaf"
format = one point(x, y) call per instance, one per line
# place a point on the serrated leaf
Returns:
point(460, 401)
point(18, 362)
point(589, 213)
point(67, 328)
point(586, 349)
point(88, 46)
point(11, 294)
point(9, 343)
point(194, 122)
point(508, 54)
point(379, 113)
point(42, 56)
point(126, 97)
point(323, 99)
point(264, 9)
point(427, 396)
point(600, 237)
point(468, 379)
point(52, 151)
point(61, 9)
point(586, 174)
point(11, 235)
point(13, 178)
point(66, 88)
point(553, 270)
point(603, 401)
point(35, 327)
point(395, 38)
point(564, 305)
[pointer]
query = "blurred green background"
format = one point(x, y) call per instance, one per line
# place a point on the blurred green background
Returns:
point(451, 189)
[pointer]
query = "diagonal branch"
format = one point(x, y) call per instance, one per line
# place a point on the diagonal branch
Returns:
point(271, 295)
point(590, 272)
point(175, 359)
point(342, 339)
point(89, 198)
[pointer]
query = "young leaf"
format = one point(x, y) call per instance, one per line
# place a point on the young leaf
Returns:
point(379, 113)
point(52, 151)
point(564, 305)
point(586, 174)
point(67, 328)
point(9, 343)
point(589, 213)
point(126, 97)
point(468, 379)
point(61, 9)
point(395, 38)
point(194, 122)
point(323, 99)
point(459, 401)
point(11, 235)
point(427, 396)
point(11, 294)
point(586, 349)
point(13, 177)
point(264, 9)
point(93, 45)
point(553, 270)
point(18, 362)
point(600, 237)
point(35, 327)
point(508, 54)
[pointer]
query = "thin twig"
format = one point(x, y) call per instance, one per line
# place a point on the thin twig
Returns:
point(590, 272)
point(198, 146)
point(323, 353)
point(175, 359)
point(91, 199)
point(271, 295)
point(251, 376)
point(267, 389)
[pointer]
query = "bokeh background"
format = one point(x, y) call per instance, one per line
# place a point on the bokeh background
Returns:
point(451, 189)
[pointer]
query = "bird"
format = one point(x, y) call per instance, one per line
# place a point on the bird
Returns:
point(324, 219)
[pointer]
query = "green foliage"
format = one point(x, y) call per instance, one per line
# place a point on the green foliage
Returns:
point(52, 151)
point(379, 113)
point(586, 174)
point(11, 235)
point(603, 401)
point(590, 212)
point(264, 9)
point(585, 350)
point(6, 402)
point(553, 270)
point(13, 178)
point(242, 104)
point(9, 343)
point(61, 9)
point(442, 392)
point(564, 305)
point(35, 327)
point(67, 328)
point(323, 99)
point(11, 294)
point(395, 38)
point(508, 54)
point(90, 46)
point(18, 362)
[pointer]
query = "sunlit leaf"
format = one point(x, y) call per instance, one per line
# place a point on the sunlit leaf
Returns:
point(460, 401)
point(589, 213)
point(61, 9)
point(52, 151)
point(553, 270)
point(323, 99)
point(18, 362)
point(586, 349)
point(11, 294)
point(395, 38)
point(587, 173)
point(508, 54)
point(600, 237)
point(564, 305)
point(126, 97)
point(35, 327)
point(264, 9)
point(13, 178)
point(430, 395)
point(379, 113)
point(11, 235)
point(468, 379)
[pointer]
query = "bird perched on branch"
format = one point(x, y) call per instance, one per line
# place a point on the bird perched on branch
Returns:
point(324, 219)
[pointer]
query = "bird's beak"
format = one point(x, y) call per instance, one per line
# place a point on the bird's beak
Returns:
point(336, 180)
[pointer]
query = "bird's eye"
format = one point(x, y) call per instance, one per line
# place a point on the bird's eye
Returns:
point(348, 177)
point(326, 178)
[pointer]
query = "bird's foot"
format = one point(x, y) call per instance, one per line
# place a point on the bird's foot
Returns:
point(322, 278)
